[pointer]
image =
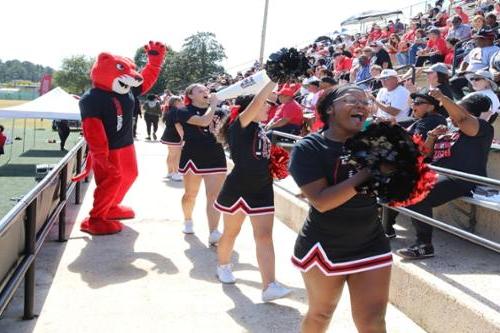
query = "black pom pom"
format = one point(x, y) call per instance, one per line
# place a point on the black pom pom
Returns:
point(392, 157)
point(286, 65)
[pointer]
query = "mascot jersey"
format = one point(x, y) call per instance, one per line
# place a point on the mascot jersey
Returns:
point(107, 112)
point(115, 111)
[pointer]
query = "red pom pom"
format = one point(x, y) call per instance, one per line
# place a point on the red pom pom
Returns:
point(426, 181)
point(235, 111)
point(278, 163)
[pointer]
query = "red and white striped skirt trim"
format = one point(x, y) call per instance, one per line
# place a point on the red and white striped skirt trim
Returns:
point(173, 144)
point(242, 205)
point(191, 167)
point(317, 257)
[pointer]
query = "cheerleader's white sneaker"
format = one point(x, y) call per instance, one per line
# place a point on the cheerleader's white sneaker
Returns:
point(225, 274)
point(176, 177)
point(274, 291)
point(214, 237)
point(188, 227)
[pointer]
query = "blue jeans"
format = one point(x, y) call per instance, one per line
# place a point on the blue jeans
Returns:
point(403, 58)
point(412, 53)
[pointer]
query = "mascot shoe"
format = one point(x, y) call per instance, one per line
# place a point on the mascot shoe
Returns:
point(120, 212)
point(98, 227)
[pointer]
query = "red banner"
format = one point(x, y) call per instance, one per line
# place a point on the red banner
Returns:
point(45, 84)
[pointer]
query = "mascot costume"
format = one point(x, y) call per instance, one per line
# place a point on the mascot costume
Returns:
point(107, 110)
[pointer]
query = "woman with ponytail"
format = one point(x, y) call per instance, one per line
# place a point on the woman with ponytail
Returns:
point(248, 189)
point(202, 157)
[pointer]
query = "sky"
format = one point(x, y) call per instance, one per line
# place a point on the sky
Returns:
point(45, 32)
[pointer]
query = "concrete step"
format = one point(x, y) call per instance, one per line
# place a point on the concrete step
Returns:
point(457, 291)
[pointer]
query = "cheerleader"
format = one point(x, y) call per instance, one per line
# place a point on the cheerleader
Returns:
point(172, 137)
point(248, 190)
point(342, 240)
point(202, 158)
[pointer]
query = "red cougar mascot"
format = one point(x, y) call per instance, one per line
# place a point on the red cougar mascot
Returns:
point(107, 111)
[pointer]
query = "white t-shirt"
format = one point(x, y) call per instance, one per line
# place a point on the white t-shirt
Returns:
point(398, 98)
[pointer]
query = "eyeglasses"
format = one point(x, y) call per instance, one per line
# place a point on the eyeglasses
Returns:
point(419, 102)
point(349, 100)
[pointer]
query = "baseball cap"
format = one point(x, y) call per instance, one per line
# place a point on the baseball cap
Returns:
point(387, 73)
point(424, 94)
point(484, 33)
point(438, 68)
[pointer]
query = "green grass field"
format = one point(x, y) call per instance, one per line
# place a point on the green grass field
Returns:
point(17, 166)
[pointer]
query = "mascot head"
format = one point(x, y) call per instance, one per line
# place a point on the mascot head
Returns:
point(115, 73)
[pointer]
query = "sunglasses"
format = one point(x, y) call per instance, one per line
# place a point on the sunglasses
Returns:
point(419, 102)
point(476, 79)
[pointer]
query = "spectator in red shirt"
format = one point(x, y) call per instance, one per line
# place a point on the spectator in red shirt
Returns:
point(435, 50)
point(343, 65)
point(460, 12)
point(3, 138)
point(289, 116)
point(406, 42)
point(376, 34)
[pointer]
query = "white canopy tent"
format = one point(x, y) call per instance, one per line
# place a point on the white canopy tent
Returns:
point(56, 104)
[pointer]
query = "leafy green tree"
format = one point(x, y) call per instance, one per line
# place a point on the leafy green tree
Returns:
point(16, 70)
point(196, 62)
point(74, 76)
point(202, 54)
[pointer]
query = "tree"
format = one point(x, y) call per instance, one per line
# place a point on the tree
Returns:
point(196, 62)
point(201, 54)
point(74, 76)
point(16, 70)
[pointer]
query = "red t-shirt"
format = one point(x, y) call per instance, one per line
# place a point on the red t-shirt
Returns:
point(3, 138)
point(292, 111)
point(448, 58)
point(272, 112)
point(464, 17)
point(343, 64)
point(439, 45)
point(375, 35)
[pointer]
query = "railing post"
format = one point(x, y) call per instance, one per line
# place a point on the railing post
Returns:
point(62, 198)
point(30, 244)
point(78, 170)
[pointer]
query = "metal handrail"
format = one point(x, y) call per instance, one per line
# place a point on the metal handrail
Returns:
point(6, 221)
point(433, 222)
point(25, 267)
point(413, 74)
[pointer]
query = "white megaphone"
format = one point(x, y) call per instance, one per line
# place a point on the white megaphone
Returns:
point(249, 85)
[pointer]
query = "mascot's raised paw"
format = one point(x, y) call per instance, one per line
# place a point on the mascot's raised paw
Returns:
point(98, 227)
point(155, 52)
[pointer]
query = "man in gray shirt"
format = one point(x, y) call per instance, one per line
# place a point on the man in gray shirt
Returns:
point(477, 59)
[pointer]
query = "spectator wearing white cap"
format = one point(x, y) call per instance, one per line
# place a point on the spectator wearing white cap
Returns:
point(309, 99)
point(438, 77)
point(483, 84)
point(392, 100)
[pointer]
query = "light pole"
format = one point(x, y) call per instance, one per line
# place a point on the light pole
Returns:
point(263, 37)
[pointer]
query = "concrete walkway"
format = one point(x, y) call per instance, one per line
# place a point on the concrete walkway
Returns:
point(153, 278)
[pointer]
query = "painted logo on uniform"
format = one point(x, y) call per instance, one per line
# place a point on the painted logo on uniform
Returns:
point(261, 145)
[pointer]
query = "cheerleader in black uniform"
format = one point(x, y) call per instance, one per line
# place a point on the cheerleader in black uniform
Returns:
point(202, 156)
point(248, 190)
point(172, 137)
point(341, 240)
